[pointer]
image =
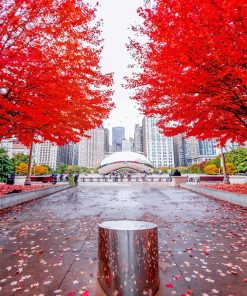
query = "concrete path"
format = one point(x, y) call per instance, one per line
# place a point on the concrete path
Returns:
point(49, 246)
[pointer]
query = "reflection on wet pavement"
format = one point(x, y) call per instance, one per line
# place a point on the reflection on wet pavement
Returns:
point(49, 246)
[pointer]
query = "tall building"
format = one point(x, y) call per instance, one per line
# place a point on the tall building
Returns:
point(118, 134)
point(185, 149)
point(138, 139)
point(91, 150)
point(68, 154)
point(128, 145)
point(157, 147)
point(45, 153)
point(75, 154)
point(207, 151)
point(106, 141)
point(64, 154)
point(207, 147)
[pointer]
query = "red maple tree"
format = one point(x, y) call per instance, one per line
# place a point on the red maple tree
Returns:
point(194, 68)
point(52, 87)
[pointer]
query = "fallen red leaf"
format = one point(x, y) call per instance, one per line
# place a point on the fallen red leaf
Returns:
point(170, 285)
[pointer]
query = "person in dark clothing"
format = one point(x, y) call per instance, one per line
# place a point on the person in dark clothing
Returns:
point(54, 179)
point(176, 173)
point(61, 178)
point(11, 179)
point(76, 179)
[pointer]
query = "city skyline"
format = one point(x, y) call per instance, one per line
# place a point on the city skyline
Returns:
point(118, 17)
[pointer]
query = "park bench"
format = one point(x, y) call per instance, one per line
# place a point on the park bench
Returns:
point(43, 179)
point(211, 179)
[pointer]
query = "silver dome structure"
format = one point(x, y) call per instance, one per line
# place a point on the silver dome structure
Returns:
point(125, 159)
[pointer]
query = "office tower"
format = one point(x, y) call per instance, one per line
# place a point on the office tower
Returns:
point(68, 154)
point(45, 153)
point(185, 149)
point(64, 154)
point(118, 134)
point(207, 147)
point(75, 154)
point(157, 147)
point(127, 145)
point(207, 151)
point(131, 143)
point(138, 139)
point(106, 141)
point(91, 150)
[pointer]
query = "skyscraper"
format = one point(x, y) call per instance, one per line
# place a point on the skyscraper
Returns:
point(157, 147)
point(207, 147)
point(128, 145)
point(91, 150)
point(64, 154)
point(106, 141)
point(118, 134)
point(45, 153)
point(68, 154)
point(138, 139)
point(185, 149)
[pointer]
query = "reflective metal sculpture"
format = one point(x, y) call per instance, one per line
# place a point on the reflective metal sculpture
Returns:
point(128, 258)
point(130, 160)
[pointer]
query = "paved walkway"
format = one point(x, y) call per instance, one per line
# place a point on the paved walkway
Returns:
point(49, 247)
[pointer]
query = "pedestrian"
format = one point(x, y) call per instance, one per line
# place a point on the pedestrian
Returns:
point(76, 179)
point(11, 179)
point(61, 177)
point(176, 173)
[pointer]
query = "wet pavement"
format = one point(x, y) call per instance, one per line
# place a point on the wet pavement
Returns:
point(49, 246)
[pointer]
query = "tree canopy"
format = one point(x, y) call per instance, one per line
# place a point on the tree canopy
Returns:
point(192, 71)
point(52, 87)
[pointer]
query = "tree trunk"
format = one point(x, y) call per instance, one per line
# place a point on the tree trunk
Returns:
point(28, 179)
point(226, 178)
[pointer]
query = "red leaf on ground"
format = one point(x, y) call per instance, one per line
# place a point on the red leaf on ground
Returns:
point(71, 293)
point(85, 293)
point(170, 285)
point(234, 272)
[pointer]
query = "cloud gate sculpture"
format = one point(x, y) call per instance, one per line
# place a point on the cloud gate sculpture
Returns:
point(129, 160)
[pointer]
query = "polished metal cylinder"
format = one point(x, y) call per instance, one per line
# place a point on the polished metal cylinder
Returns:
point(128, 258)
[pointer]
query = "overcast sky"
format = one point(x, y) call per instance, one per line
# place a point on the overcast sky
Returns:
point(118, 16)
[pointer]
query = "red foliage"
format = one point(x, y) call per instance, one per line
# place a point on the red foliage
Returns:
point(4, 189)
point(194, 76)
point(236, 188)
point(52, 87)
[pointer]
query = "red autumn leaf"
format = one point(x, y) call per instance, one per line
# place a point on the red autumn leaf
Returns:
point(72, 293)
point(234, 272)
point(235, 188)
point(194, 75)
point(170, 285)
point(245, 280)
point(85, 293)
point(190, 292)
point(52, 86)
